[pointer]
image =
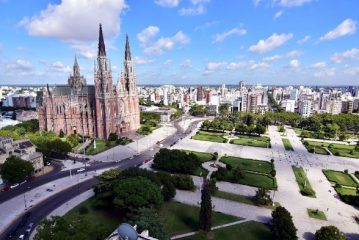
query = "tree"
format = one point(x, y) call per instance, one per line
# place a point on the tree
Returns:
point(282, 225)
point(329, 233)
point(134, 193)
point(61, 134)
point(147, 219)
point(224, 109)
point(205, 213)
point(262, 197)
point(260, 129)
point(110, 175)
point(16, 170)
point(168, 190)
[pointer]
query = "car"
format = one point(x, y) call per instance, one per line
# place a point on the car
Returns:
point(21, 237)
point(5, 189)
point(29, 227)
point(49, 190)
point(14, 186)
point(81, 170)
point(48, 164)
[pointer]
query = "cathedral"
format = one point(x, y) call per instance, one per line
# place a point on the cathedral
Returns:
point(93, 110)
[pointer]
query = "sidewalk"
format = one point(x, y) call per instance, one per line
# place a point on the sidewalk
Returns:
point(14, 207)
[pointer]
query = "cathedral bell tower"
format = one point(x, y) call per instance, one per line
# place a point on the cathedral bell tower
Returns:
point(104, 91)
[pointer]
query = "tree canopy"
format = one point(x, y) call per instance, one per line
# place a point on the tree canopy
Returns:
point(137, 192)
point(282, 225)
point(16, 170)
point(329, 233)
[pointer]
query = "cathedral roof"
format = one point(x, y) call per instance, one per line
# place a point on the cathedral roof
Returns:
point(67, 90)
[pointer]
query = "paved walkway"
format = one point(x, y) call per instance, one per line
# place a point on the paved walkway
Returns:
point(213, 228)
point(288, 195)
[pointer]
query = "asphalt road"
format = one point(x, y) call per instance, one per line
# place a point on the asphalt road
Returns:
point(40, 211)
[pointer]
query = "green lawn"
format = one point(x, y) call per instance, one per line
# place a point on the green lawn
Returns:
point(340, 178)
point(203, 156)
point(258, 180)
point(337, 149)
point(297, 131)
point(287, 145)
point(180, 218)
point(346, 191)
point(303, 182)
point(100, 147)
point(315, 213)
point(254, 141)
point(248, 164)
point(239, 198)
point(246, 231)
point(108, 218)
point(210, 136)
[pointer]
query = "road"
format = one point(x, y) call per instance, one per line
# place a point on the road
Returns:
point(40, 211)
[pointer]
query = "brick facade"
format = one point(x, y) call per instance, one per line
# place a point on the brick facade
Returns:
point(94, 111)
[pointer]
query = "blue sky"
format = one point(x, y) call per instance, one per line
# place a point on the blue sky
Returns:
point(184, 41)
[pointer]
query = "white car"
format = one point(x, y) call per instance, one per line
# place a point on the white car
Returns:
point(21, 237)
point(14, 186)
point(81, 170)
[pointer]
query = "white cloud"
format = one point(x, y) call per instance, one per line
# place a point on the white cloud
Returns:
point(198, 8)
point(167, 43)
point(147, 34)
point(256, 3)
point(294, 64)
point(85, 50)
point(325, 72)
point(352, 71)
point(21, 64)
point(76, 20)
point(167, 3)
point(274, 41)
point(236, 65)
point(215, 66)
point(259, 66)
point(292, 3)
point(349, 54)
point(271, 58)
point(347, 27)
point(294, 54)
point(142, 60)
point(186, 63)
point(278, 14)
point(233, 31)
point(319, 65)
point(168, 62)
point(304, 40)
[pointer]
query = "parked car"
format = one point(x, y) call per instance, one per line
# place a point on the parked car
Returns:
point(21, 237)
point(14, 185)
point(81, 170)
point(29, 227)
point(5, 189)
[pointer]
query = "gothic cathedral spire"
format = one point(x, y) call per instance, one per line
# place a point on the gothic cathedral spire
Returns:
point(127, 50)
point(103, 91)
point(101, 44)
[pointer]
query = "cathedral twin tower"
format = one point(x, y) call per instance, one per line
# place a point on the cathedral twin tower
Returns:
point(98, 110)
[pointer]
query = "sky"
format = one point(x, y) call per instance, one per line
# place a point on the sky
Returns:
point(269, 42)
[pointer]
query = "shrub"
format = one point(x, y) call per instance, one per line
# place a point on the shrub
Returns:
point(112, 137)
point(307, 192)
point(183, 182)
point(212, 186)
point(346, 171)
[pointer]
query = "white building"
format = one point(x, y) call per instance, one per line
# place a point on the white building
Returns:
point(305, 107)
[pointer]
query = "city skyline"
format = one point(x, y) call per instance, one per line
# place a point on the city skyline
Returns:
point(287, 42)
